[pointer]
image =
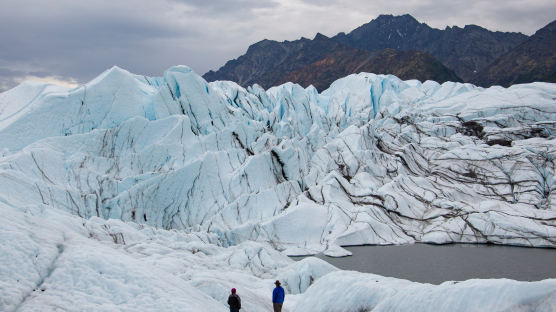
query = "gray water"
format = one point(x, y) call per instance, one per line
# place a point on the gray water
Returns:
point(438, 263)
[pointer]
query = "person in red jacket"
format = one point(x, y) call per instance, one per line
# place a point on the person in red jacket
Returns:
point(234, 301)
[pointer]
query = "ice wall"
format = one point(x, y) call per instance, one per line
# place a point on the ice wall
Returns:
point(371, 160)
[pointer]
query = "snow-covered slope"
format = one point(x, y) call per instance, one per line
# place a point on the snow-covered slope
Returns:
point(163, 193)
point(54, 261)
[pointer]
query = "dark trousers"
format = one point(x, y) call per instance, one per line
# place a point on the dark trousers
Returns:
point(234, 310)
point(277, 307)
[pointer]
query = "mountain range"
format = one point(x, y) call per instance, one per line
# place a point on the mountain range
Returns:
point(398, 45)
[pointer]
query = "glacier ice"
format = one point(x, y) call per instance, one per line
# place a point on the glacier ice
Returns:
point(175, 180)
point(371, 160)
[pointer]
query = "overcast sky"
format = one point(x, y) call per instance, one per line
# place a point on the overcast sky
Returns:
point(74, 41)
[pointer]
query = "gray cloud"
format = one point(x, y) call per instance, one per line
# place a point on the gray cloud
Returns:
point(227, 6)
point(79, 39)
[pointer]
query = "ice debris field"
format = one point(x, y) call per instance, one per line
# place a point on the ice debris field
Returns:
point(135, 193)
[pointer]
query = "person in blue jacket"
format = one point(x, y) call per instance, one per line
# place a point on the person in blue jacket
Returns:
point(278, 296)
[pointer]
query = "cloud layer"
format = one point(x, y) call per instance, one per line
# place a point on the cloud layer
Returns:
point(74, 41)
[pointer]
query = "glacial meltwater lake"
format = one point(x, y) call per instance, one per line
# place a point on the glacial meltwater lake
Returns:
point(455, 262)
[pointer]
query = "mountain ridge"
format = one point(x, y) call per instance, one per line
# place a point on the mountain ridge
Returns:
point(464, 50)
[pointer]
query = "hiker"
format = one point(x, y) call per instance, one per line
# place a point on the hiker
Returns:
point(234, 301)
point(278, 297)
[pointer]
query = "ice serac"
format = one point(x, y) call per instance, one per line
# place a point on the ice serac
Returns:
point(371, 160)
point(354, 291)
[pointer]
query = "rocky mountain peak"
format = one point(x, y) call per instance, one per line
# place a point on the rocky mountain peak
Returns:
point(320, 36)
point(389, 18)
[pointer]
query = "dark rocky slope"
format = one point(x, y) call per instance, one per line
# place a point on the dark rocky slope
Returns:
point(533, 60)
point(403, 64)
point(267, 61)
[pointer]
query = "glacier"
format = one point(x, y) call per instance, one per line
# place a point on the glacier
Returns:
point(189, 188)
